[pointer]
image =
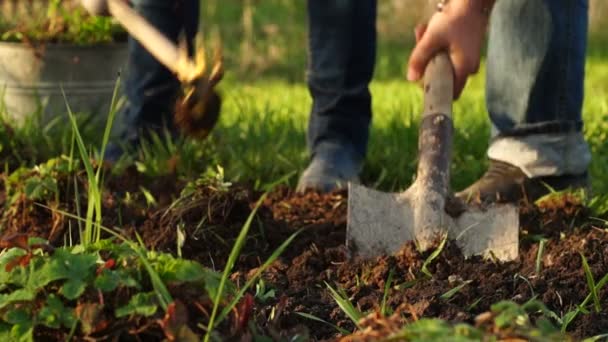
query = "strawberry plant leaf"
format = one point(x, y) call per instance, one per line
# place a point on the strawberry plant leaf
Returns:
point(212, 283)
point(144, 304)
point(22, 333)
point(188, 271)
point(16, 296)
point(65, 265)
point(16, 276)
point(54, 314)
point(73, 288)
point(5, 331)
point(18, 316)
point(21, 326)
point(107, 281)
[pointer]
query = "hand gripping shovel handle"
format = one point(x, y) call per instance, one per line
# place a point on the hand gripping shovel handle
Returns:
point(436, 127)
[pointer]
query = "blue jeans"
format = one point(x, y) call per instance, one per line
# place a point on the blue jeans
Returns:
point(534, 87)
point(150, 88)
point(342, 44)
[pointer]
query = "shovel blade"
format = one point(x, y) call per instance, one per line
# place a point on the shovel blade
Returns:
point(380, 223)
point(492, 232)
point(377, 222)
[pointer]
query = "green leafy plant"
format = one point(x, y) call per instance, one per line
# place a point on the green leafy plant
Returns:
point(58, 21)
point(429, 329)
point(39, 183)
point(65, 274)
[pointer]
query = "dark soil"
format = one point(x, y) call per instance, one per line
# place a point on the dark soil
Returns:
point(212, 218)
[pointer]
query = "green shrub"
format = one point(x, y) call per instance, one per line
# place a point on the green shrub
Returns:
point(55, 21)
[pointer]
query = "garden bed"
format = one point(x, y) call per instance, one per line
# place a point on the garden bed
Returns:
point(295, 293)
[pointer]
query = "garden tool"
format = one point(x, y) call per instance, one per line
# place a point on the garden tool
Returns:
point(381, 223)
point(198, 108)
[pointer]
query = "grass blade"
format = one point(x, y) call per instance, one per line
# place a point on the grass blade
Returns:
point(455, 290)
point(591, 283)
point(236, 250)
point(539, 255)
point(347, 307)
point(570, 316)
point(317, 319)
point(110, 121)
point(596, 338)
point(433, 256)
point(94, 195)
point(387, 287)
point(275, 255)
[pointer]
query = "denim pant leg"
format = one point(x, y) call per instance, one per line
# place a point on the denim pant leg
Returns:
point(150, 87)
point(535, 82)
point(342, 45)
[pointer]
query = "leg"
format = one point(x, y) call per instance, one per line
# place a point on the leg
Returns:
point(534, 94)
point(342, 44)
point(151, 88)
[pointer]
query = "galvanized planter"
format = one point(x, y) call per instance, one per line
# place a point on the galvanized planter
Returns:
point(31, 79)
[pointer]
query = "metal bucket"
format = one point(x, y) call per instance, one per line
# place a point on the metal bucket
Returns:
point(32, 79)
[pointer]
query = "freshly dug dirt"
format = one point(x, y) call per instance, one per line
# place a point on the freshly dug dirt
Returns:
point(211, 218)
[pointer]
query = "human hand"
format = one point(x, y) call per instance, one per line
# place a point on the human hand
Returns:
point(458, 29)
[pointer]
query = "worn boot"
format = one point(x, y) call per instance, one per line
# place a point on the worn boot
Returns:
point(504, 182)
point(331, 168)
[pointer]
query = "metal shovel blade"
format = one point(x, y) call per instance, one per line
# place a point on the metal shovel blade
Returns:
point(381, 223)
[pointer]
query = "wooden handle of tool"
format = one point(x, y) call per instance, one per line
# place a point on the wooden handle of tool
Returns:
point(439, 85)
point(436, 130)
point(159, 46)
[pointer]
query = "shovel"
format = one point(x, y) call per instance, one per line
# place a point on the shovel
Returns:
point(198, 109)
point(381, 223)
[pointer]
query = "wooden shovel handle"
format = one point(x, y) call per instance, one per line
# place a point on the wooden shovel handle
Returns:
point(436, 130)
point(439, 85)
point(159, 46)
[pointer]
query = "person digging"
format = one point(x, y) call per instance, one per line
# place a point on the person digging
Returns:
point(534, 89)
point(169, 85)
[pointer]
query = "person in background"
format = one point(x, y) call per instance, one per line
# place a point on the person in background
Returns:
point(534, 88)
point(150, 88)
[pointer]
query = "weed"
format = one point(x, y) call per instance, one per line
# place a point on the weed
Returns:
point(347, 307)
point(234, 253)
point(539, 255)
point(92, 230)
point(262, 294)
point(454, 291)
point(433, 256)
point(591, 283)
point(387, 287)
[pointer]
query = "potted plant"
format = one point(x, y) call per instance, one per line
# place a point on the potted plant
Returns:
point(48, 47)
